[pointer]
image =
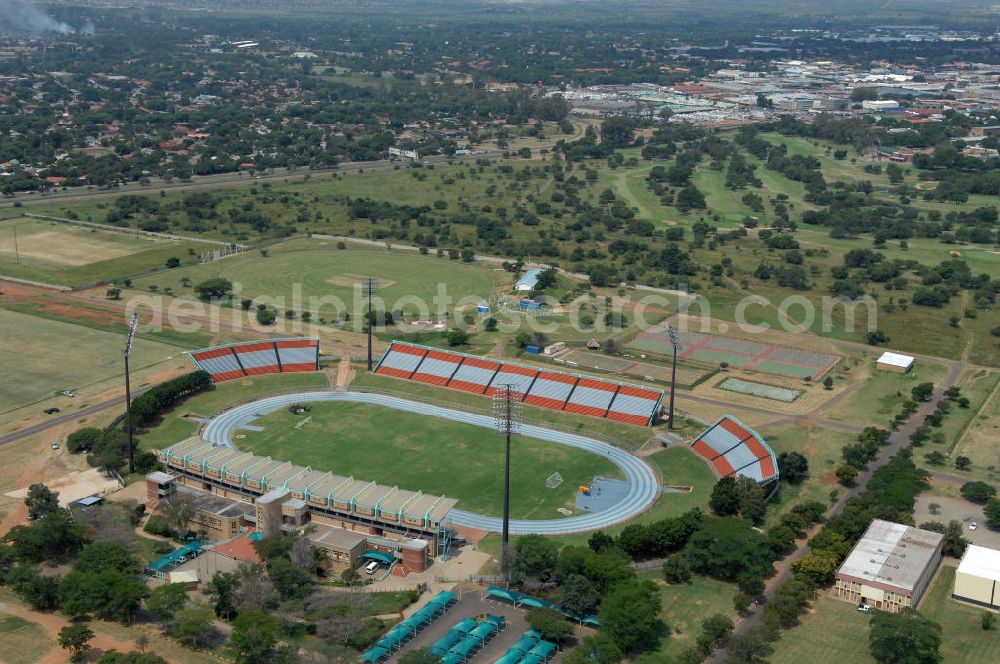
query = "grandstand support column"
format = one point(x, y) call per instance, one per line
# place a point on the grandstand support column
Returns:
point(672, 334)
point(126, 348)
point(369, 287)
point(507, 409)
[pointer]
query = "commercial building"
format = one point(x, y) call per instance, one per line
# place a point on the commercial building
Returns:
point(977, 579)
point(894, 362)
point(879, 105)
point(528, 280)
point(890, 566)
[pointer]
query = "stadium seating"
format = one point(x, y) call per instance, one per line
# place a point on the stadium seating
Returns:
point(735, 450)
point(258, 357)
point(630, 404)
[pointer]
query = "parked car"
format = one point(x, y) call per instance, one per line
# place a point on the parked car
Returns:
point(864, 608)
point(54, 445)
point(68, 393)
point(51, 411)
point(973, 525)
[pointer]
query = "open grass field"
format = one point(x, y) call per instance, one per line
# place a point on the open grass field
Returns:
point(69, 255)
point(41, 357)
point(295, 271)
point(833, 632)
point(685, 606)
point(881, 393)
point(964, 640)
point(175, 426)
point(23, 642)
point(424, 453)
point(980, 440)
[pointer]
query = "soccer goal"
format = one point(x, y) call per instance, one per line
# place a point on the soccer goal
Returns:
point(554, 480)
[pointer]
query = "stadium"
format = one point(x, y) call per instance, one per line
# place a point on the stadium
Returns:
point(310, 468)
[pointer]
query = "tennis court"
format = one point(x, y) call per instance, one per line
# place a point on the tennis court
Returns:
point(737, 353)
point(783, 394)
point(687, 375)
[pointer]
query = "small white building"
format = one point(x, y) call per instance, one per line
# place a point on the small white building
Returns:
point(894, 362)
point(977, 579)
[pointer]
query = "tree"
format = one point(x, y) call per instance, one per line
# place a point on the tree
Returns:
point(166, 600)
point(828, 382)
point(222, 589)
point(596, 649)
point(986, 620)
point(847, 475)
point(904, 637)
point(115, 657)
point(628, 614)
point(536, 558)
point(41, 501)
point(458, 337)
point(922, 392)
point(420, 656)
point(290, 581)
point(819, 567)
point(954, 544)
point(725, 498)
point(84, 440)
point(617, 131)
point(978, 492)
point(578, 595)
point(992, 512)
point(715, 632)
point(751, 647)
point(254, 636)
point(193, 625)
point(113, 293)
point(216, 287)
point(550, 623)
point(793, 467)
point(178, 512)
point(963, 462)
point(76, 639)
point(266, 315)
point(105, 555)
point(676, 569)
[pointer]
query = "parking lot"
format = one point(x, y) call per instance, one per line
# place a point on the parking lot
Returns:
point(470, 606)
point(960, 510)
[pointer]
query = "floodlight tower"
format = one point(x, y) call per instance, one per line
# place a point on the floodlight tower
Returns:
point(672, 335)
point(126, 348)
point(507, 413)
point(369, 288)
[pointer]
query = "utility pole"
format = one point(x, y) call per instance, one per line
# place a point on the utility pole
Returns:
point(507, 413)
point(17, 254)
point(672, 334)
point(369, 287)
point(128, 392)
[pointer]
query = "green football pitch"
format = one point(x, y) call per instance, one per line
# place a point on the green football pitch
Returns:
point(428, 454)
point(301, 269)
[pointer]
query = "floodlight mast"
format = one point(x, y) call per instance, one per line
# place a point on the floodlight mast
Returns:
point(369, 288)
point(672, 335)
point(507, 413)
point(126, 349)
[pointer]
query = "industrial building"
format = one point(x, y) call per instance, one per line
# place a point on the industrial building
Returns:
point(890, 566)
point(977, 579)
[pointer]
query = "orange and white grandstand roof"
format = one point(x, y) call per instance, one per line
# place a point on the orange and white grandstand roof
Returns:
point(583, 395)
point(252, 358)
point(735, 450)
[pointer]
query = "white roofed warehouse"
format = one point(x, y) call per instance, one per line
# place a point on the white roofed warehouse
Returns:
point(894, 362)
point(977, 579)
point(890, 566)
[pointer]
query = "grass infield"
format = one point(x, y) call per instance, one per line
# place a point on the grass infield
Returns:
point(428, 454)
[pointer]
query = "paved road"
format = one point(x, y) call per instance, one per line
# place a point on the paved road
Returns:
point(897, 441)
point(68, 417)
point(643, 484)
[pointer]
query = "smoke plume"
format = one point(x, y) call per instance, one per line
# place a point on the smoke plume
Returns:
point(24, 16)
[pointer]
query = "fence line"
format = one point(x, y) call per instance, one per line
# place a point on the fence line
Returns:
point(130, 231)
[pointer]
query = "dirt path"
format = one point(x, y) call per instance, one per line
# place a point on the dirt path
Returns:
point(52, 623)
point(345, 372)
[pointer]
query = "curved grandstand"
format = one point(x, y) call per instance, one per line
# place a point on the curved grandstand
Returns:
point(643, 484)
point(734, 450)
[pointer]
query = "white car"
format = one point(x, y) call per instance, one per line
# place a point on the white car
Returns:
point(54, 445)
point(864, 608)
point(68, 393)
point(973, 525)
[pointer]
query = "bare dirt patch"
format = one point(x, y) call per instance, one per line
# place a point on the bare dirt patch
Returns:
point(70, 247)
